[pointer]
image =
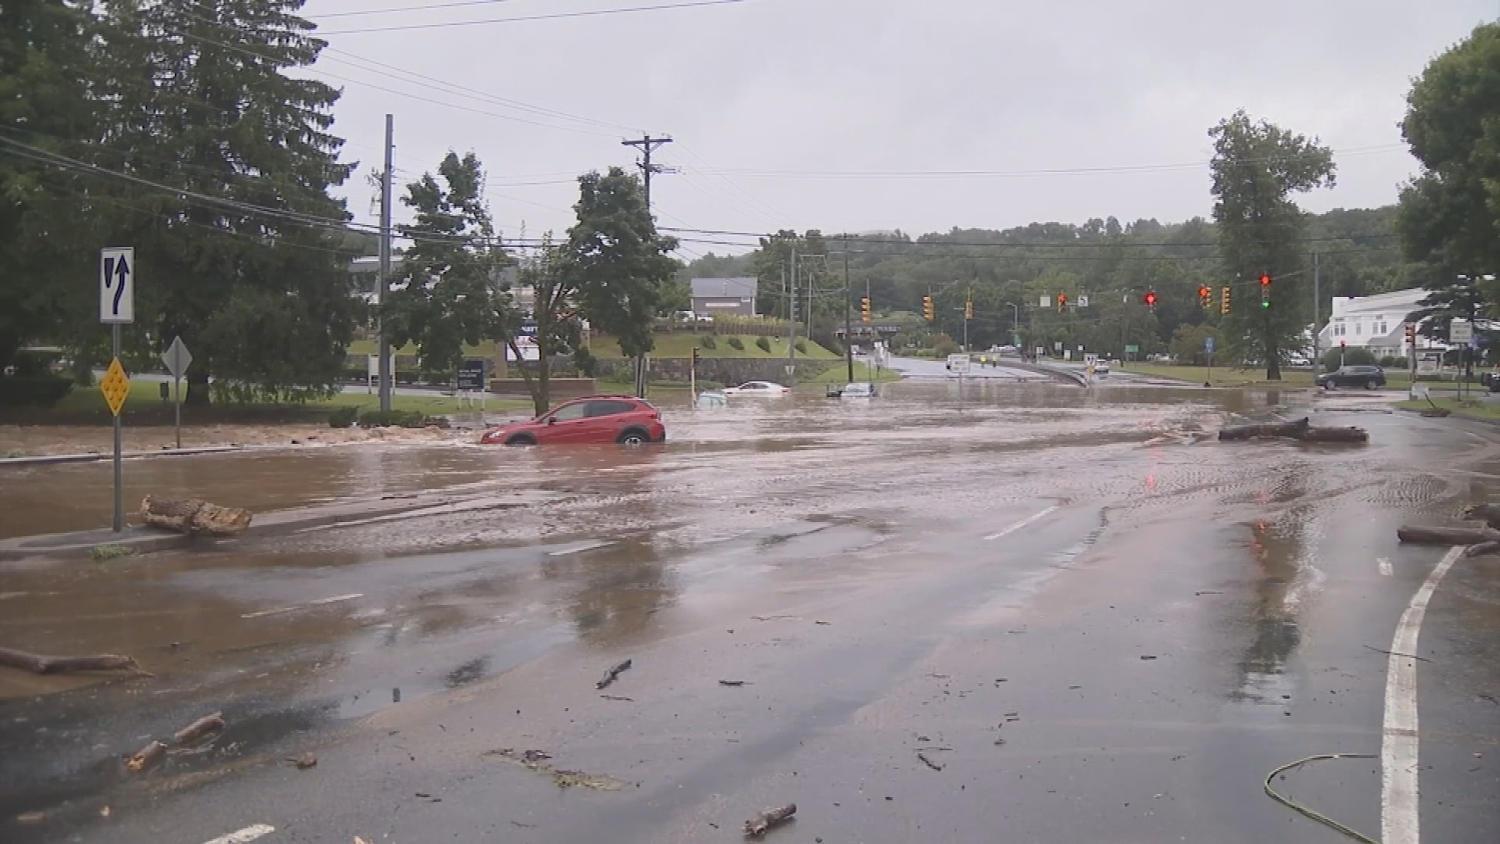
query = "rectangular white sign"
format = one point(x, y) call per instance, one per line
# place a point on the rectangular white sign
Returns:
point(1460, 331)
point(117, 284)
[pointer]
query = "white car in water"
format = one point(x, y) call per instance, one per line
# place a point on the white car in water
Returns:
point(858, 390)
point(757, 388)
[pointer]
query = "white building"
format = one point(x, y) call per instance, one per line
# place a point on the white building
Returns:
point(1373, 322)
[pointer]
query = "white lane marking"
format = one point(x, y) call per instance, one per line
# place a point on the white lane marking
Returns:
point(1384, 563)
point(580, 548)
point(1399, 802)
point(1023, 523)
point(318, 603)
point(243, 836)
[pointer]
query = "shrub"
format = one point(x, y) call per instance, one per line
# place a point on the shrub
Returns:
point(707, 341)
point(1393, 362)
point(706, 384)
point(765, 345)
point(737, 344)
point(587, 364)
point(101, 553)
point(343, 417)
point(801, 346)
point(42, 390)
point(1351, 357)
point(945, 347)
point(393, 418)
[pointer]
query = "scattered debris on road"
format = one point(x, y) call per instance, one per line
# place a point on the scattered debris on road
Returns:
point(611, 674)
point(146, 757)
point(535, 760)
point(928, 762)
point(193, 516)
point(1300, 429)
point(731, 682)
point(305, 761)
point(39, 664)
point(758, 825)
point(1481, 540)
point(1396, 653)
point(200, 729)
point(1145, 657)
point(618, 697)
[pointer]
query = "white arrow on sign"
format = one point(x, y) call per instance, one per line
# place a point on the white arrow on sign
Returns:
point(117, 284)
point(177, 357)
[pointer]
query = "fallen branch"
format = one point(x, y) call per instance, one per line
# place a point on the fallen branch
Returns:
point(611, 674)
point(757, 826)
point(1481, 549)
point(1488, 513)
point(146, 757)
point(731, 682)
point(1396, 653)
point(1426, 535)
point(928, 762)
point(39, 664)
point(199, 730)
point(193, 516)
point(1300, 430)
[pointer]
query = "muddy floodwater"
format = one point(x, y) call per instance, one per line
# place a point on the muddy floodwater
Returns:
point(1048, 593)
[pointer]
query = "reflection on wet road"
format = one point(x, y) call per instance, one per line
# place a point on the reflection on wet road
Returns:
point(1032, 543)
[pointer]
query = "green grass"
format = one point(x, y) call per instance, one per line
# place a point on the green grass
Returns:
point(1223, 376)
point(144, 406)
point(1468, 409)
point(681, 346)
point(863, 371)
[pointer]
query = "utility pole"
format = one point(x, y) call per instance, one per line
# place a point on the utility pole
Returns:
point(791, 339)
point(646, 145)
point(1317, 306)
point(383, 347)
point(848, 306)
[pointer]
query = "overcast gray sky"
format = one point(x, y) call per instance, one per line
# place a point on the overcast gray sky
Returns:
point(774, 103)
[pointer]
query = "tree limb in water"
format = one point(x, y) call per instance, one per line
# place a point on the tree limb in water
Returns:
point(1426, 535)
point(757, 826)
point(39, 664)
point(611, 674)
point(1300, 430)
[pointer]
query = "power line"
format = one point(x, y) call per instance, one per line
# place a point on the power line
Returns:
point(1053, 171)
point(423, 7)
point(542, 17)
point(1033, 257)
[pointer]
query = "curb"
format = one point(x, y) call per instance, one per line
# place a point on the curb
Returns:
point(51, 459)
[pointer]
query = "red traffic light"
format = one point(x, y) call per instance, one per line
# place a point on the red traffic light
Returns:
point(1150, 299)
point(1265, 279)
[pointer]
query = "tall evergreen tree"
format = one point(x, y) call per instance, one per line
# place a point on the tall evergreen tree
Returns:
point(44, 105)
point(245, 263)
point(1256, 167)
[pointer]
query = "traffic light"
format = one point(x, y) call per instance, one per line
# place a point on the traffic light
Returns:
point(1224, 300)
point(1150, 300)
point(929, 313)
point(1205, 297)
point(1062, 303)
point(1411, 334)
point(864, 309)
point(695, 356)
point(968, 309)
point(1265, 290)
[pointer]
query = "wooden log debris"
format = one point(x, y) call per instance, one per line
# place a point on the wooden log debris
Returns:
point(611, 674)
point(1488, 513)
point(193, 516)
point(758, 825)
point(1301, 430)
point(146, 757)
point(199, 730)
point(39, 664)
point(1428, 535)
point(1481, 549)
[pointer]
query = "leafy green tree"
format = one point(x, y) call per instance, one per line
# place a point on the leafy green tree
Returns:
point(554, 281)
point(448, 292)
point(1187, 343)
point(623, 266)
point(44, 103)
point(242, 257)
point(1256, 168)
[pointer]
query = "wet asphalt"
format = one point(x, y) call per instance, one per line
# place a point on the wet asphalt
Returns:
point(1090, 621)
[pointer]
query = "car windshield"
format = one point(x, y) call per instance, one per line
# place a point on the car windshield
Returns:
point(749, 420)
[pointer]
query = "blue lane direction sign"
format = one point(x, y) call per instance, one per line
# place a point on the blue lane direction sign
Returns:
point(1208, 345)
point(117, 284)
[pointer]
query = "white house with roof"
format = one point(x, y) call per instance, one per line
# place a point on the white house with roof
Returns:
point(724, 296)
point(1372, 322)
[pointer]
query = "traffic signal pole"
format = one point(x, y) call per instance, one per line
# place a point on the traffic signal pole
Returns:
point(848, 306)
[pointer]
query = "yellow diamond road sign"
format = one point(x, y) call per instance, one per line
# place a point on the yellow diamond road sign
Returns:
point(115, 386)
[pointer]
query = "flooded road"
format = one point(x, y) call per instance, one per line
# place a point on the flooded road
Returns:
point(1092, 622)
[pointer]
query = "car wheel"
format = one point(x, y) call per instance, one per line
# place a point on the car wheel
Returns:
point(521, 439)
point(1327, 385)
point(1371, 384)
point(633, 436)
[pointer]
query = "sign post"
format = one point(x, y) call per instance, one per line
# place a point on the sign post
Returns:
point(1461, 332)
point(1208, 349)
point(116, 308)
point(177, 358)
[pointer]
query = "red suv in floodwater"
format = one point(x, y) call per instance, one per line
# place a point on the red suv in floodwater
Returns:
point(594, 419)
